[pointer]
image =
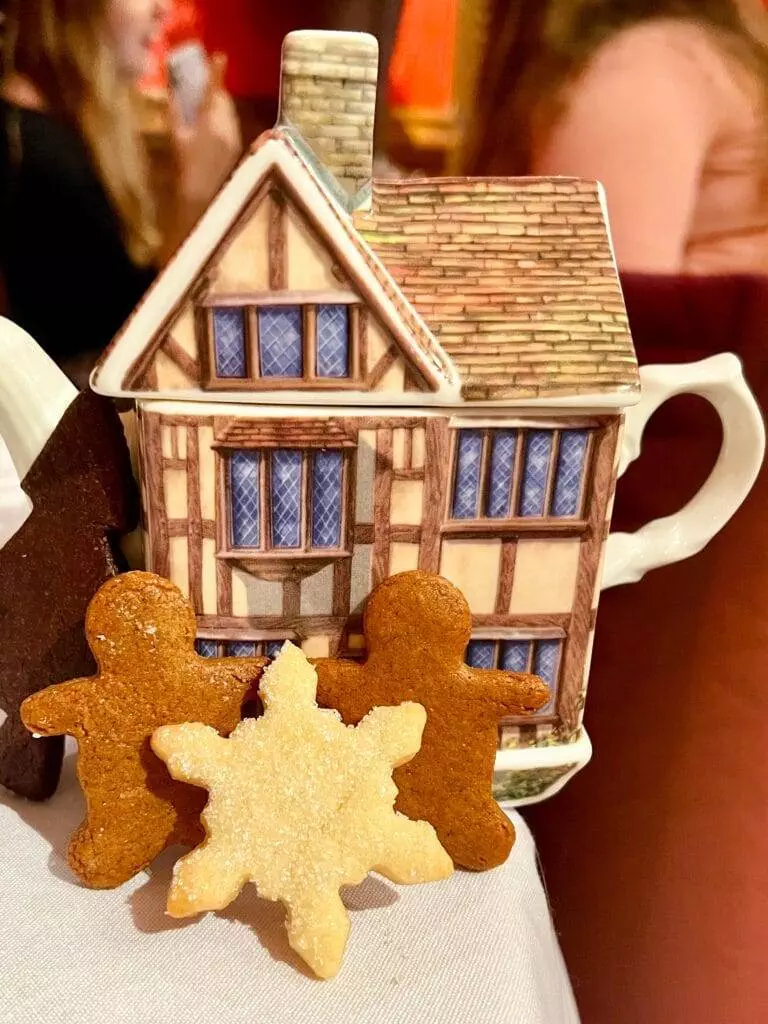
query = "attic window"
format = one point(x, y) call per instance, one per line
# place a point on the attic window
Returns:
point(279, 343)
point(520, 475)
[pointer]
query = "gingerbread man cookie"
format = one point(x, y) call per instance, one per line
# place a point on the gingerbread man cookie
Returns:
point(141, 630)
point(83, 496)
point(301, 805)
point(417, 627)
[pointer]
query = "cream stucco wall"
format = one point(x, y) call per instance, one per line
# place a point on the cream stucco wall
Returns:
point(183, 330)
point(175, 481)
point(310, 266)
point(406, 505)
point(366, 469)
point(169, 376)
point(252, 596)
point(317, 646)
point(244, 265)
point(545, 576)
point(178, 551)
point(317, 592)
point(473, 567)
point(210, 600)
point(418, 444)
point(403, 557)
point(207, 473)
point(362, 562)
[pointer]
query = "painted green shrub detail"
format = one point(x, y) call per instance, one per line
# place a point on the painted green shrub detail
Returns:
point(525, 784)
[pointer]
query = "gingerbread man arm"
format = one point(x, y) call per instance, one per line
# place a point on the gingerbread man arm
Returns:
point(233, 678)
point(397, 730)
point(510, 693)
point(193, 752)
point(60, 709)
point(335, 681)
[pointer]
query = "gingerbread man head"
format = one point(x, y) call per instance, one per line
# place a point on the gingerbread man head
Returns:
point(417, 613)
point(128, 625)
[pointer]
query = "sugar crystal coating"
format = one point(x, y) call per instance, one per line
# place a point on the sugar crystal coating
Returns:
point(301, 805)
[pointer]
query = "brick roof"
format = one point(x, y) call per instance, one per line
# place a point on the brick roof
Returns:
point(514, 277)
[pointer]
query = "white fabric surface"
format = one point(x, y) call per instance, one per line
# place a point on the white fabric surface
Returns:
point(477, 949)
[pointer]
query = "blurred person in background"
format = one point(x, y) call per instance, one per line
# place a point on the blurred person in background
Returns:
point(78, 237)
point(251, 34)
point(666, 103)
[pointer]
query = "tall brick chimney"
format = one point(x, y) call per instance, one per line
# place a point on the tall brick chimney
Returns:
point(328, 94)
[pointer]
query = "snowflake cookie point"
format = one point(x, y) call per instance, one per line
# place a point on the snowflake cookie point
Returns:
point(300, 805)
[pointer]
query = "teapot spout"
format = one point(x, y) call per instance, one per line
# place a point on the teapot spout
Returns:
point(34, 395)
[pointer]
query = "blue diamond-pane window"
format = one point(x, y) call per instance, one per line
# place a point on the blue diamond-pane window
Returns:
point(327, 499)
point(538, 449)
point(272, 648)
point(229, 342)
point(207, 648)
point(466, 487)
point(332, 341)
point(502, 468)
point(546, 662)
point(570, 473)
point(481, 653)
point(244, 495)
point(280, 341)
point(514, 655)
point(286, 498)
point(241, 649)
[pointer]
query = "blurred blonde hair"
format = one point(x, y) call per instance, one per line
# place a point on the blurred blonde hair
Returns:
point(62, 47)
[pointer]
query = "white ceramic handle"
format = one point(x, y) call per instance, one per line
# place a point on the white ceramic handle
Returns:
point(719, 379)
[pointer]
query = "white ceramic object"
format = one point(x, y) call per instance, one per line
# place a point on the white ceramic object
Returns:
point(629, 556)
point(34, 395)
point(719, 379)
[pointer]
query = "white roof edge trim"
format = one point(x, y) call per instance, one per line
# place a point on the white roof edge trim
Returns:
point(341, 403)
point(174, 280)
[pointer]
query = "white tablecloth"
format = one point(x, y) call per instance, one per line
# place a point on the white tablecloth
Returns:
point(477, 949)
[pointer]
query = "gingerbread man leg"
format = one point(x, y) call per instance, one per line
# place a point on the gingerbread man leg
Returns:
point(318, 929)
point(29, 767)
point(126, 826)
point(476, 833)
point(206, 879)
point(107, 850)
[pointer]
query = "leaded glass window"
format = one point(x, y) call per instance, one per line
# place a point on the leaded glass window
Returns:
point(238, 648)
point(287, 499)
point(284, 342)
point(509, 474)
point(280, 344)
point(229, 342)
point(542, 657)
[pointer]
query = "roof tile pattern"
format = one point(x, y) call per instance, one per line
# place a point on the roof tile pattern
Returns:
point(514, 277)
point(291, 433)
point(419, 335)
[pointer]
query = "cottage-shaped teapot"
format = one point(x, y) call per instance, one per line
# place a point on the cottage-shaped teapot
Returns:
point(337, 381)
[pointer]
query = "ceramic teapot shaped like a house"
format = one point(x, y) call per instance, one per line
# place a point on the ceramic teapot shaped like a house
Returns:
point(336, 382)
